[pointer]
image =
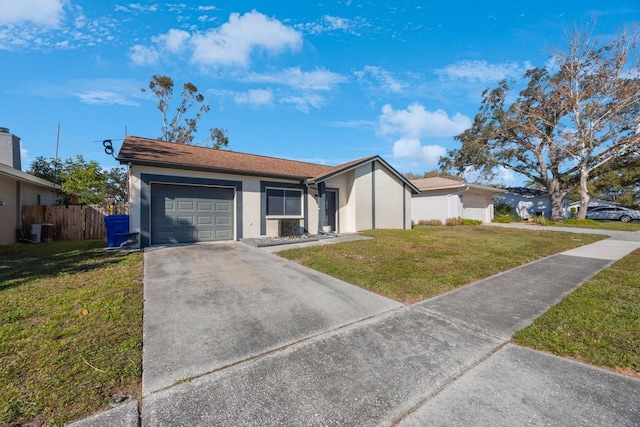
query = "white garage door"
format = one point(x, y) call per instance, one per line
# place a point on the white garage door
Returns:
point(187, 214)
point(474, 208)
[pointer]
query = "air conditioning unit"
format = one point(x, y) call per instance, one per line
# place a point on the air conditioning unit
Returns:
point(289, 228)
point(36, 232)
point(46, 233)
point(41, 232)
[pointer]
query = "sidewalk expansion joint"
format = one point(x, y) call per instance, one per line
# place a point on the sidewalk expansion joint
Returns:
point(447, 383)
point(279, 349)
point(461, 323)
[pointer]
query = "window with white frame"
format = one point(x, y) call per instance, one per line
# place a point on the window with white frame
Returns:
point(284, 202)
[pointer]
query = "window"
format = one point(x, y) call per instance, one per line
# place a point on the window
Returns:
point(284, 202)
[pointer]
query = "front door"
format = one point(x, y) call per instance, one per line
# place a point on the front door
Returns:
point(331, 209)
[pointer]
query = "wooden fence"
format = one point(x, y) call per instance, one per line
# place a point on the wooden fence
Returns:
point(73, 222)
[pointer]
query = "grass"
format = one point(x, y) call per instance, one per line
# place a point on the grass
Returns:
point(70, 330)
point(411, 265)
point(579, 223)
point(599, 323)
point(602, 225)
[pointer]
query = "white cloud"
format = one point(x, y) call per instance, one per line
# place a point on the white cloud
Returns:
point(103, 97)
point(25, 159)
point(173, 41)
point(232, 43)
point(305, 102)
point(376, 78)
point(483, 71)
point(412, 149)
point(255, 97)
point(330, 23)
point(136, 7)
point(143, 55)
point(47, 13)
point(415, 122)
point(229, 45)
point(295, 77)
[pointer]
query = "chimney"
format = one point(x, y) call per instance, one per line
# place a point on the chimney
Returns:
point(9, 149)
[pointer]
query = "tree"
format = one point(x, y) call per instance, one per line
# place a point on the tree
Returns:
point(566, 125)
point(173, 130)
point(432, 174)
point(620, 182)
point(117, 185)
point(85, 180)
point(45, 169)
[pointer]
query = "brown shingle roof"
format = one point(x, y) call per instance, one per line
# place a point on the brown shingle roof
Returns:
point(152, 152)
point(437, 182)
point(137, 150)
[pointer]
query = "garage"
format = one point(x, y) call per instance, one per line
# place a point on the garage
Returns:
point(475, 207)
point(188, 214)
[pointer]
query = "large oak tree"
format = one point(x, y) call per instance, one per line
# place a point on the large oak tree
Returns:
point(573, 118)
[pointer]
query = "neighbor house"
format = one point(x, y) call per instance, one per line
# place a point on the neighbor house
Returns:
point(184, 193)
point(442, 198)
point(17, 188)
point(530, 202)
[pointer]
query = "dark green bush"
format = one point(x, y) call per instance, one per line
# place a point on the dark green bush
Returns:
point(503, 209)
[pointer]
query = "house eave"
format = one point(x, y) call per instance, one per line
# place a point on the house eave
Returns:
point(365, 161)
point(200, 168)
point(26, 177)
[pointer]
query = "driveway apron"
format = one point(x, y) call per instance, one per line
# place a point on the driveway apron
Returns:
point(236, 336)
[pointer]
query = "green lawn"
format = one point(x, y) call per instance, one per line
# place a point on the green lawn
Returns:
point(585, 223)
point(599, 323)
point(70, 330)
point(602, 225)
point(411, 265)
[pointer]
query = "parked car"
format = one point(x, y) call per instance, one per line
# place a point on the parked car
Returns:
point(613, 213)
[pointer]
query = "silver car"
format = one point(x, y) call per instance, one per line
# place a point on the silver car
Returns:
point(613, 213)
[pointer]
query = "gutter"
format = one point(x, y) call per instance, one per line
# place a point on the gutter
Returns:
point(181, 166)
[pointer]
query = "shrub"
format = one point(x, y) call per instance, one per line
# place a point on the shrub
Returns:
point(503, 209)
point(540, 220)
point(430, 222)
point(451, 222)
point(505, 219)
point(471, 222)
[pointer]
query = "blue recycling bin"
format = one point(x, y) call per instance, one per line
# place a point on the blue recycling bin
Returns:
point(117, 228)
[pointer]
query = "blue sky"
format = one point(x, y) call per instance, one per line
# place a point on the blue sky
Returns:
point(324, 81)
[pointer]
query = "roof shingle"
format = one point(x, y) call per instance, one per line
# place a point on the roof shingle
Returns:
point(137, 150)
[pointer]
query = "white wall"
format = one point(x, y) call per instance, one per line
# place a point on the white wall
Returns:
point(436, 204)
point(390, 199)
point(361, 198)
point(477, 206)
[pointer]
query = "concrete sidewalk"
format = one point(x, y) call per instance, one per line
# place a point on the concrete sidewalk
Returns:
point(250, 339)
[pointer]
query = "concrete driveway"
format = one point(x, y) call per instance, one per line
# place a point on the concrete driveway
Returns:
point(210, 306)
point(237, 336)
